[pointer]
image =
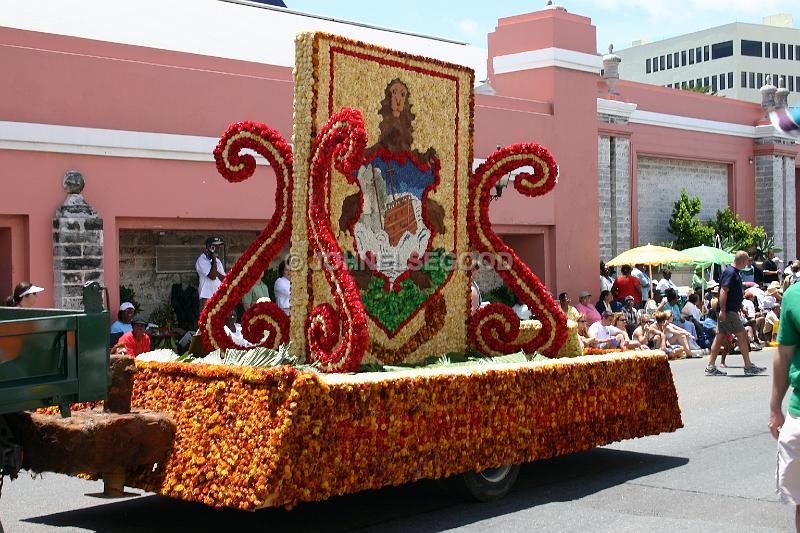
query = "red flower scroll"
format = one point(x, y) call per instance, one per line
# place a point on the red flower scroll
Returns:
point(264, 324)
point(495, 327)
point(337, 335)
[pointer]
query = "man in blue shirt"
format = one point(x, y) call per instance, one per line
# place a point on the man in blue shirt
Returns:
point(731, 294)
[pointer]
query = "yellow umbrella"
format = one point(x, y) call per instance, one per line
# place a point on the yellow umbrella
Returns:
point(649, 255)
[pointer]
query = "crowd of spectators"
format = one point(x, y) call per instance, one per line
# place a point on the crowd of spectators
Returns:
point(634, 312)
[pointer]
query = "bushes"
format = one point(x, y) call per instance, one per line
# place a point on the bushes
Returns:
point(690, 232)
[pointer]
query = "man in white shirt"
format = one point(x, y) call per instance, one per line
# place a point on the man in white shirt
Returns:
point(608, 335)
point(666, 282)
point(644, 281)
point(283, 287)
point(210, 270)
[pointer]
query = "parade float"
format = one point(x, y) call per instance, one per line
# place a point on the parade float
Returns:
point(379, 201)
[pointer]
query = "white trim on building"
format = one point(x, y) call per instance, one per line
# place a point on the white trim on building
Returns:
point(548, 57)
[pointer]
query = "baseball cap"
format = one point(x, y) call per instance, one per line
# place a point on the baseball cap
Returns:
point(629, 298)
point(584, 294)
point(124, 306)
point(214, 241)
point(138, 320)
point(33, 289)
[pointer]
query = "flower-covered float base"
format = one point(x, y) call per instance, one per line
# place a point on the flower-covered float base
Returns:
point(249, 438)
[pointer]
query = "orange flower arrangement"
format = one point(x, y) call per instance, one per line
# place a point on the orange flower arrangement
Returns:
point(250, 438)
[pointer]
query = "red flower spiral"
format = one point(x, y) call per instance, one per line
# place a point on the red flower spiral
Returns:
point(495, 328)
point(337, 335)
point(265, 324)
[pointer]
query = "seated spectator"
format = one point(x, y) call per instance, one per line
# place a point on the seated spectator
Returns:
point(259, 290)
point(680, 335)
point(604, 303)
point(772, 318)
point(644, 333)
point(124, 317)
point(666, 282)
point(136, 341)
point(793, 276)
point(753, 316)
point(584, 337)
point(607, 335)
point(565, 303)
point(672, 343)
point(627, 285)
point(631, 314)
point(621, 323)
point(585, 307)
point(234, 331)
point(671, 303)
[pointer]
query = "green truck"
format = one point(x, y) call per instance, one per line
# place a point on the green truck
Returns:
point(51, 357)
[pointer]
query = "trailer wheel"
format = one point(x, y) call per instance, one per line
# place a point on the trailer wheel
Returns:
point(488, 485)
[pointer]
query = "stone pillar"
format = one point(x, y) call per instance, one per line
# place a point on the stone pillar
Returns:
point(775, 200)
point(614, 186)
point(77, 245)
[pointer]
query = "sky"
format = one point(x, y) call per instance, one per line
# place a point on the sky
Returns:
point(618, 21)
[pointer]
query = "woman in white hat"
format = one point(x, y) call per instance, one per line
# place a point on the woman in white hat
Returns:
point(25, 294)
point(124, 317)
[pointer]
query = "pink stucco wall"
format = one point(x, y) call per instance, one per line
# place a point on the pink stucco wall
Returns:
point(78, 82)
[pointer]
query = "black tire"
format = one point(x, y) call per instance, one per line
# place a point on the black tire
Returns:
point(488, 485)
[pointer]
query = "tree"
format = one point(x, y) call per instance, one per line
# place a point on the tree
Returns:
point(744, 235)
point(688, 230)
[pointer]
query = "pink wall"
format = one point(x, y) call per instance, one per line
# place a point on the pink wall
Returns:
point(79, 82)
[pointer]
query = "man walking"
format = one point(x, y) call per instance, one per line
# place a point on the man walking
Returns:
point(786, 370)
point(731, 294)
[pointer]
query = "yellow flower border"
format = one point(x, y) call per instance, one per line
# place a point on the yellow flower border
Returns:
point(250, 438)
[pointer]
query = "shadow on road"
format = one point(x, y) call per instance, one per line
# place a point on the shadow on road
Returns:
point(422, 506)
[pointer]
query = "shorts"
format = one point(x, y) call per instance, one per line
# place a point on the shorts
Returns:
point(610, 343)
point(731, 325)
point(787, 475)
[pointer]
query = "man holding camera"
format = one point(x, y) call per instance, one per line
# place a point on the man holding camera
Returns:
point(210, 269)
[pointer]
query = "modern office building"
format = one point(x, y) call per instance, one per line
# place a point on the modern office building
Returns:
point(734, 60)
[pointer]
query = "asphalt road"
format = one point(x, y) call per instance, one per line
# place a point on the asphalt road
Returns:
point(716, 474)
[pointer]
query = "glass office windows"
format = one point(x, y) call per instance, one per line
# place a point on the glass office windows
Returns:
point(791, 83)
point(751, 80)
point(730, 80)
point(655, 64)
point(661, 63)
point(691, 84)
point(683, 58)
point(669, 61)
point(698, 54)
point(767, 49)
point(774, 50)
point(723, 49)
point(751, 48)
point(706, 53)
point(722, 82)
point(698, 82)
point(797, 52)
point(676, 59)
point(648, 66)
point(760, 81)
point(691, 56)
point(790, 53)
point(713, 83)
point(706, 82)
point(743, 81)
point(783, 51)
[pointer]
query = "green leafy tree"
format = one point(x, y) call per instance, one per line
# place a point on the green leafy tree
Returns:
point(684, 224)
point(743, 235)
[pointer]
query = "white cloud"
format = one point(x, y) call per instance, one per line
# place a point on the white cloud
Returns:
point(468, 26)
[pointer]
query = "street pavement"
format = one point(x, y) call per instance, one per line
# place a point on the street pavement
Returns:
point(715, 475)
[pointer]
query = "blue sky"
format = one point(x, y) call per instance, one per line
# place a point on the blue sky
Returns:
point(617, 21)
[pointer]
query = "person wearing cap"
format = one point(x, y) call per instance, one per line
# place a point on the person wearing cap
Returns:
point(631, 314)
point(210, 270)
point(25, 294)
point(585, 307)
point(136, 341)
point(124, 317)
point(772, 321)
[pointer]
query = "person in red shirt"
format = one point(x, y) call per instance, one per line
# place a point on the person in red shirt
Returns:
point(136, 341)
point(627, 285)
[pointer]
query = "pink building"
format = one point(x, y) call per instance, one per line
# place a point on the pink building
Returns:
point(134, 97)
